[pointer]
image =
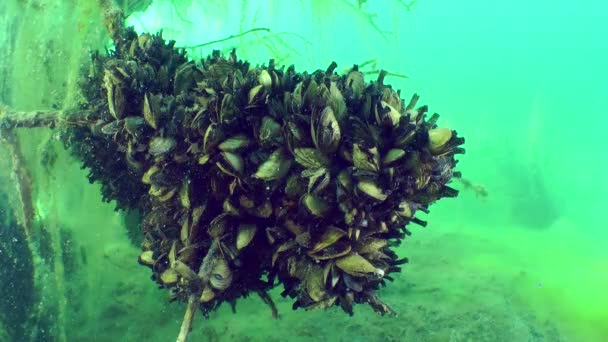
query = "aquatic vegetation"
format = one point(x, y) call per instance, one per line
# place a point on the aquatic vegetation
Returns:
point(252, 177)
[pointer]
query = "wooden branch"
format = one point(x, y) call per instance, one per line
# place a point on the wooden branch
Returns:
point(23, 181)
point(10, 119)
point(268, 300)
point(186, 327)
point(114, 19)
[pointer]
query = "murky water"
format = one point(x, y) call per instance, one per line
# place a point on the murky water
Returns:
point(519, 255)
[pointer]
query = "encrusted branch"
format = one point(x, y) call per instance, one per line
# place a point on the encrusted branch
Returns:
point(40, 118)
point(114, 19)
point(184, 331)
point(23, 180)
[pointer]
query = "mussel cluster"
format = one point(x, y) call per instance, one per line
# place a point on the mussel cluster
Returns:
point(253, 177)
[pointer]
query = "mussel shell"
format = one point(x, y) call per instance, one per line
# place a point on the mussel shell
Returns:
point(161, 146)
point(113, 127)
point(315, 205)
point(235, 143)
point(147, 258)
point(356, 265)
point(135, 125)
point(366, 159)
point(336, 250)
point(326, 131)
point(245, 235)
point(438, 138)
point(371, 189)
point(311, 158)
point(275, 167)
point(329, 237)
point(392, 156)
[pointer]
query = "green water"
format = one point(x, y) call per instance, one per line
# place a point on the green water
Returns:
point(526, 82)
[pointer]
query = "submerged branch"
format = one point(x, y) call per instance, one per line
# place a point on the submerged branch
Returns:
point(114, 19)
point(184, 331)
point(23, 180)
point(40, 118)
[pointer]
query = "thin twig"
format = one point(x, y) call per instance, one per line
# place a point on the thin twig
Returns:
point(387, 73)
point(227, 38)
point(370, 19)
point(308, 42)
point(179, 14)
point(408, 6)
point(268, 300)
point(204, 273)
